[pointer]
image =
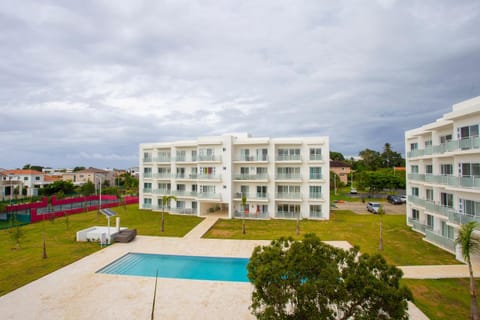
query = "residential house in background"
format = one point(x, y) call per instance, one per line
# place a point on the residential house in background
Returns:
point(93, 175)
point(27, 181)
point(342, 169)
point(443, 175)
point(278, 177)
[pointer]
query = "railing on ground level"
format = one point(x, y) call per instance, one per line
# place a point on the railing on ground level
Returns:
point(316, 215)
point(440, 240)
point(251, 215)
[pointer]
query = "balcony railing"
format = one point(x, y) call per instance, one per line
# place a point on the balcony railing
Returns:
point(461, 218)
point(162, 159)
point(419, 226)
point(251, 177)
point(167, 175)
point(316, 176)
point(147, 190)
point(289, 195)
point(253, 158)
point(451, 146)
point(147, 175)
point(148, 159)
point(287, 214)
point(180, 159)
point(440, 240)
point(454, 181)
point(316, 215)
point(416, 200)
point(288, 176)
point(208, 176)
point(315, 195)
point(416, 176)
point(437, 208)
point(252, 196)
point(184, 193)
point(251, 215)
point(209, 195)
point(315, 157)
point(210, 158)
point(291, 157)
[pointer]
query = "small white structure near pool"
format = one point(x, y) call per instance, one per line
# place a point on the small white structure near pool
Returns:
point(99, 234)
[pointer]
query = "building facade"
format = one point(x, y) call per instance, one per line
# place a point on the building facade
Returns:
point(25, 182)
point(443, 175)
point(342, 169)
point(92, 175)
point(278, 178)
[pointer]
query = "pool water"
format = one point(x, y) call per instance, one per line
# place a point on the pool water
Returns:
point(181, 267)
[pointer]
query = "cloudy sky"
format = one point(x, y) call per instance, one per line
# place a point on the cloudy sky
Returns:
point(84, 82)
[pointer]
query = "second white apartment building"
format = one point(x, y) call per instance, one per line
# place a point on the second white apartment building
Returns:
point(279, 177)
point(443, 175)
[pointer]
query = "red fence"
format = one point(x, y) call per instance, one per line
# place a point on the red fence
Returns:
point(41, 210)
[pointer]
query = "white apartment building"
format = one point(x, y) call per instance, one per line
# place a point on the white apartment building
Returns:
point(443, 175)
point(279, 177)
point(27, 181)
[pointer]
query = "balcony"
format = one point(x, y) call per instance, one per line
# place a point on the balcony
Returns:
point(165, 176)
point(315, 157)
point(419, 226)
point(209, 195)
point(208, 177)
point(287, 215)
point(450, 146)
point(316, 176)
point(184, 193)
point(289, 195)
point(461, 218)
point(436, 208)
point(416, 176)
point(440, 240)
point(262, 158)
point(416, 200)
point(472, 182)
point(148, 159)
point(251, 177)
point(252, 196)
point(251, 215)
point(316, 215)
point(162, 192)
point(315, 196)
point(162, 159)
point(291, 157)
point(288, 176)
point(209, 158)
point(147, 190)
point(147, 175)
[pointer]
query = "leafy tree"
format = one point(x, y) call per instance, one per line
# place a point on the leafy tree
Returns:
point(66, 187)
point(370, 160)
point(336, 156)
point(33, 167)
point(469, 245)
point(88, 188)
point(391, 158)
point(309, 279)
point(165, 201)
point(112, 190)
point(78, 169)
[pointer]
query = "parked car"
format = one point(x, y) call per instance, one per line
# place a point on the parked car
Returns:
point(373, 207)
point(353, 191)
point(404, 198)
point(394, 199)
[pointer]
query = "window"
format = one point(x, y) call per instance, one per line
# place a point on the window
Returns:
point(244, 170)
point(207, 189)
point(288, 154)
point(470, 207)
point(429, 194)
point(262, 154)
point(194, 155)
point(415, 192)
point(446, 199)
point(147, 185)
point(447, 231)
point(315, 192)
point(180, 155)
point(164, 187)
point(181, 187)
point(429, 169)
point(26, 178)
point(194, 206)
point(288, 172)
point(470, 169)
point(244, 190)
point(262, 171)
point(180, 204)
point(288, 189)
point(261, 191)
point(430, 221)
point(147, 201)
point(315, 154)
point(415, 214)
point(446, 169)
point(315, 172)
point(446, 138)
point(468, 131)
point(164, 156)
point(208, 170)
point(245, 155)
point(428, 143)
point(413, 146)
point(147, 170)
point(288, 208)
point(414, 169)
point(180, 172)
point(315, 210)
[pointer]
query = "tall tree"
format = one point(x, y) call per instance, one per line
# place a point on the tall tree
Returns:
point(370, 159)
point(309, 279)
point(336, 156)
point(88, 188)
point(165, 201)
point(390, 158)
point(469, 244)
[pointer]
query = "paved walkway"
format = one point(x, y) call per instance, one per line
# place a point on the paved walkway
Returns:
point(202, 228)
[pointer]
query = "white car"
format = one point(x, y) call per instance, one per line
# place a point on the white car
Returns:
point(373, 207)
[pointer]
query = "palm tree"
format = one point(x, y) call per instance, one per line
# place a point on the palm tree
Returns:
point(165, 201)
point(381, 212)
point(469, 244)
point(244, 207)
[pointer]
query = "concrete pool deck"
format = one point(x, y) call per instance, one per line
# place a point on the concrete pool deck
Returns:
point(77, 292)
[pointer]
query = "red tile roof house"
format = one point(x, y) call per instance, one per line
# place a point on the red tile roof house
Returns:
point(32, 180)
point(341, 169)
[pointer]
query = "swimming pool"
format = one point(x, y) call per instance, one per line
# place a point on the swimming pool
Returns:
point(181, 267)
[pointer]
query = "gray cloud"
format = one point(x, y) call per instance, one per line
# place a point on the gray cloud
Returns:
point(85, 83)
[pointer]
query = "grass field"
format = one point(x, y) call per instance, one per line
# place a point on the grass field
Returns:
point(22, 265)
point(401, 245)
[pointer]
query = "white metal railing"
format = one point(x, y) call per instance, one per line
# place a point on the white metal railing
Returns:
point(289, 157)
point(440, 240)
point(450, 146)
point(251, 177)
point(288, 195)
point(288, 176)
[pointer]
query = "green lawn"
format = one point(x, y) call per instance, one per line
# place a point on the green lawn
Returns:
point(401, 245)
point(442, 298)
point(21, 266)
